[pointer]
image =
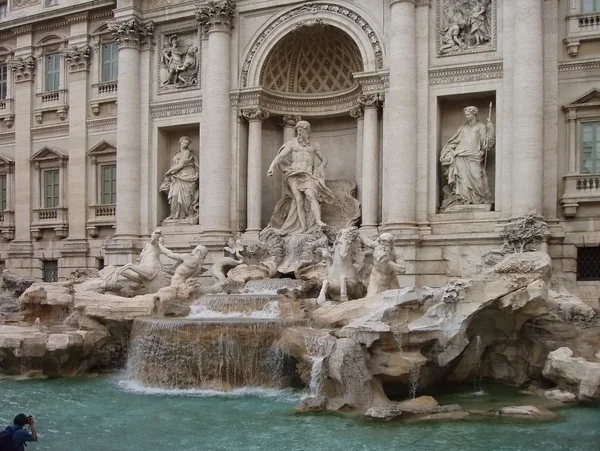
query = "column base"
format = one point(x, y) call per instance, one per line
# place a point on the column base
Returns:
point(251, 235)
point(369, 230)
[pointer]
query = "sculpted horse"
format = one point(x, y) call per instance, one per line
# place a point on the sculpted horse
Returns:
point(342, 276)
point(149, 270)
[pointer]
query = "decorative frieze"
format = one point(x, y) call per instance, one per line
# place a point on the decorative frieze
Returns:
point(132, 32)
point(314, 9)
point(23, 68)
point(176, 108)
point(78, 58)
point(102, 125)
point(466, 26)
point(591, 64)
point(465, 73)
point(23, 3)
point(216, 16)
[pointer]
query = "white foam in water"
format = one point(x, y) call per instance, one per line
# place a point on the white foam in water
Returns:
point(269, 311)
point(132, 386)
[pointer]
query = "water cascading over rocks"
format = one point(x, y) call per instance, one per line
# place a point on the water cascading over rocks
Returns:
point(210, 354)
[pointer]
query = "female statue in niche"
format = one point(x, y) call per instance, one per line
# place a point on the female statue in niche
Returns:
point(181, 183)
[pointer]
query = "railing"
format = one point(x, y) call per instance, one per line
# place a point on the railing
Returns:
point(50, 97)
point(48, 214)
point(104, 211)
point(107, 89)
point(579, 188)
point(4, 106)
point(588, 182)
point(589, 22)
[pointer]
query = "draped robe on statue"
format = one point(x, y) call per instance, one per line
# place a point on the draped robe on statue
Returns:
point(464, 155)
point(286, 210)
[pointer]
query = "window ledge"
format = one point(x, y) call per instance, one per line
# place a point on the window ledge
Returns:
point(101, 216)
point(7, 112)
point(7, 224)
point(579, 188)
point(51, 101)
point(581, 27)
point(50, 218)
point(104, 92)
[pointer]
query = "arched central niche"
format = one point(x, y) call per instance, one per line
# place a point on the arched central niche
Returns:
point(312, 59)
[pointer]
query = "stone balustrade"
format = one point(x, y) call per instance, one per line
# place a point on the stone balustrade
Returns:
point(7, 111)
point(105, 92)
point(577, 189)
point(51, 101)
point(101, 216)
point(50, 218)
point(7, 224)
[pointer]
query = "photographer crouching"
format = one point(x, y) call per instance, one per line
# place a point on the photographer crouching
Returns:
point(14, 437)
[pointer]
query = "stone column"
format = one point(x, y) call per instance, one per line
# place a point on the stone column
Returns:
point(130, 35)
point(215, 155)
point(254, 116)
point(289, 124)
point(528, 108)
point(21, 249)
point(400, 122)
point(370, 162)
point(357, 113)
point(572, 134)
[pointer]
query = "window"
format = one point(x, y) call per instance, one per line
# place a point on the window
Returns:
point(590, 148)
point(51, 188)
point(590, 6)
point(588, 263)
point(3, 9)
point(3, 81)
point(110, 62)
point(3, 192)
point(51, 2)
point(50, 270)
point(108, 194)
point(52, 72)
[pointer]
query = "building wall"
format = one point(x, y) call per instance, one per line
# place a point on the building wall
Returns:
point(78, 131)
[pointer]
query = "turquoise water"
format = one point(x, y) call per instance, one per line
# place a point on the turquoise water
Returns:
point(102, 414)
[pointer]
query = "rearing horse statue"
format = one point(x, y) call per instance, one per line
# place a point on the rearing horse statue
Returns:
point(149, 270)
point(342, 275)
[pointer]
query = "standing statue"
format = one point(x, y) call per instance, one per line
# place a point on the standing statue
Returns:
point(181, 183)
point(465, 156)
point(342, 275)
point(172, 59)
point(188, 266)
point(387, 264)
point(479, 29)
point(304, 182)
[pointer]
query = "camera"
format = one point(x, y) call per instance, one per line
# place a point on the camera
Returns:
point(29, 418)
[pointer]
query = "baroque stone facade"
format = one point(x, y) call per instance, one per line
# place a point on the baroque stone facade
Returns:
point(140, 114)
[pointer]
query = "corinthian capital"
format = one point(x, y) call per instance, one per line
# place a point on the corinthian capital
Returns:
point(78, 58)
point(23, 68)
point(132, 32)
point(216, 16)
point(254, 114)
point(370, 100)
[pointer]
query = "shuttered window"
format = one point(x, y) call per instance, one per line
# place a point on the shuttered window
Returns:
point(110, 62)
point(52, 72)
point(108, 191)
point(51, 188)
point(590, 148)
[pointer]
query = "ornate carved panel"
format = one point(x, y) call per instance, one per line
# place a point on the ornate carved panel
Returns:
point(474, 72)
point(23, 3)
point(179, 59)
point(466, 26)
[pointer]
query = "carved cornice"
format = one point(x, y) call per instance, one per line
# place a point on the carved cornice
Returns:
point(176, 108)
point(104, 124)
point(216, 16)
point(256, 114)
point(132, 32)
point(465, 73)
point(370, 100)
point(78, 58)
point(23, 68)
point(24, 29)
point(315, 8)
point(290, 120)
point(590, 64)
point(59, 129)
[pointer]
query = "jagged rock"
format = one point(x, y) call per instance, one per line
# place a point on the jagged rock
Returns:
point(312, 404)
point(526, 412)
point(15, 284)
point(49, 303)
point(560, 395)
point(573, 373)
point(421, 406)
point(11, 287)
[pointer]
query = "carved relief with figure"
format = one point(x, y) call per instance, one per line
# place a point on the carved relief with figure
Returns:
point(466, 26)
point(180, 62)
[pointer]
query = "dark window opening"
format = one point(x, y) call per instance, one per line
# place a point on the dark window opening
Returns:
point(50, 270)
point(588, 263)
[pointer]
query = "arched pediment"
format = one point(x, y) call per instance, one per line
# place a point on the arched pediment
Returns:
point(51, 39)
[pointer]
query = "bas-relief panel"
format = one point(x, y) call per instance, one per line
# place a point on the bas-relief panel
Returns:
point(179, 60)
point(23, 3)
point(466, 26)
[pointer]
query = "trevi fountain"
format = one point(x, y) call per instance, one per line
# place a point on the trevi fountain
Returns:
point(302, 334)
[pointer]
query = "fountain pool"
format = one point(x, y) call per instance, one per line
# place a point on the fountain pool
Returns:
point(108, 414)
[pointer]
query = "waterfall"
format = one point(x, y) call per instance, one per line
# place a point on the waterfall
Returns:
point(319, 347)
point(209, 354)
point(413, 378)
point(259, 306)
point(478, 390)
point(317, 375)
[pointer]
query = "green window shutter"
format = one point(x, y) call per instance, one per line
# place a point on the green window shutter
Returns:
point(52, 72)
point(3, 82)
point(51, 188)
point(110, 62)
point(109, 184)
point(3, 192)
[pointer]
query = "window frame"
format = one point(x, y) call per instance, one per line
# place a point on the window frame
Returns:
point(3, 11)
point(595, 6)
point(596, 152)
point(113, 191)
point(50, 3)
point(56, 187)
point(57, 74)
point(114, 71)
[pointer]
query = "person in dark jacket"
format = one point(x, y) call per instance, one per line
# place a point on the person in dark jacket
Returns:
point(19, 435)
